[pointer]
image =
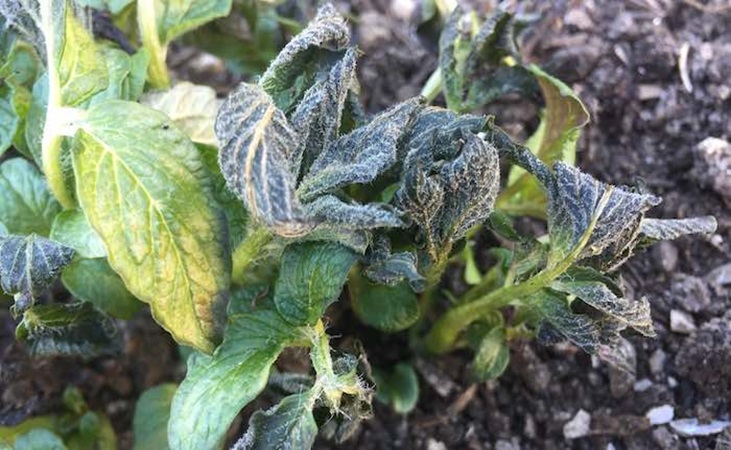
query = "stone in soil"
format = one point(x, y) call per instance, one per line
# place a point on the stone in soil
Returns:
point(693, 427)
point(713, 165)
point(660, 415)
point(579, 426)
point(681, 322)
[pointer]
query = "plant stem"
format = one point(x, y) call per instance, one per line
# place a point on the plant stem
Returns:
point(157, 72)
point(248, 251)
point(51, 141)
point(433, 86)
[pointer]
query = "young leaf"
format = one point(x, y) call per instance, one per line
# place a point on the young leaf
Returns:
point(73, 230)
point(26, 205)
point(29, 264)
point(175, 17)
point(311, 277)
point(395, 268)
point(256, 143)
point(147, 194)
point(288, 425)
point(74, 329)
point(386, 308)
point(152, 413)
point(218, 386)
point(398, 387)
point(491, 356)
point(93, 281)
point(127, 75)
point(37, 439)
point(191, 107)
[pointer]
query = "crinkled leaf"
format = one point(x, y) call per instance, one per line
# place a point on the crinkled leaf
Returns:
point(191, 107)
point(289, 425)
point(175, 17)
point(39, 439)
point(294, 70)
point(387, 308)
point(332, 213)
point(73, 329)
point(398, 387)
point(360, 156)
point(71, 228)
point(317, 117)
point(127, 74)
point(311, 277)
point(577, 328)
point(491, 356)
point(93, 281)
point(256, 148)
point(635, 314)
point(29, 264)
point(389, 268)
point(26, 204)
point(668, 229)
point(152, 412)
point(452, 52)
point(148, 195)
point(204, 407)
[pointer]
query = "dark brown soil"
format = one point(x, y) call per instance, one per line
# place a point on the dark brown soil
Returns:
point(622, 58)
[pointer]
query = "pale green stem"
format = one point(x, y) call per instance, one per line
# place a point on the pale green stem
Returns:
point(433, 86)
point(157, 71)
point(248, 251)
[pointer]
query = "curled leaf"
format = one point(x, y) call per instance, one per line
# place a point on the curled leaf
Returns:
point(491, 356)
point(577, 328)
point(331, 212)
point(389, 268)
point(668, 229)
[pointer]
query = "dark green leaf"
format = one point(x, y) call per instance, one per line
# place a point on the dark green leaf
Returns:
point(331, 213)
point(73, 230)
point(289, 425)
point(389, 268)
point(577, 328)
point(75, 329)
point(218, 386)
point(491, 356)
point(310, 279)
point(144, 189)
point(398, 387)
point(387, 308)
point(452, 51)
point(93, 281)
point(26, 204)
point(29, 264)
point(152, 412)
point(257, 145)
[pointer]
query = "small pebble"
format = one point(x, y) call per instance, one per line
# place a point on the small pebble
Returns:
point(642, 385)
point(672, 382)
point(657, 361)
point(433, 444)
point(691, 427)
point(660, 415)
point(578, 426)
point(681, 322)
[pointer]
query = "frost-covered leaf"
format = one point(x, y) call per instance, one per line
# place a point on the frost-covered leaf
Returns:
point(175, 17)
point(218, 386)
point(387, 308)
point(152, 412)
point(398, 387)
point(191, 107)
point(311, 278)
point(389, 268)
point(360, 156)
point(73, 329)
point(26, 204)
point(127, 74)
point(668, 229)
point(491, 356)
point(577, 328)
point(144, 189)
point(635, 314)
point(93, 281)
point(289, 425)
point(71, 228)
point(332, 213)
point(256, 150)
point(29, 264)
point(294, 70)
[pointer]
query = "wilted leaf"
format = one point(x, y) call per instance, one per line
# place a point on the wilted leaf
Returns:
point(294, 70)
point(74, 329)
point(204, 406)
point(311, 278)
point(93, 281)
point(398, 387)
point(73, 230)
point(577, 328)
point(668, 229)
point(289, 425)
point(144, 189)
point(389, 268)
point(152, 411)
point(256, 150)
point(331, 213)
point(26, 204)
point(191, 107)
point(29, 264)
point(387, 308)
point(491, 356)
point(175, 17)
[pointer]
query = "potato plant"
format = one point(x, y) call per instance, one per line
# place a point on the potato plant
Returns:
point(240, 222)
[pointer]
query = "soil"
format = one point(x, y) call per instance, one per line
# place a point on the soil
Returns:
point(647, 123)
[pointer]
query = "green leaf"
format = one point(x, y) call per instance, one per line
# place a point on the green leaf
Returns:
point(144, 189)
point(218, 386)
point(127, 75)
point(257, 144)
point(29, 264)
point(73, 230)
point(9, 123)
point(334, 214)
point(387, 308)
point(398, 387)
point(491, 356)
point(191, 107)
point(389, 268)
point(74, 329)
point(26, 204)
point(311, 277)
point(93, 281)
point(175, 17)
point(36, 118)
point(22, 65)
point(39, 439)
point(293, 71)
point(152, 412)
point(452, 52)
point(579, 329)
point(288, 425)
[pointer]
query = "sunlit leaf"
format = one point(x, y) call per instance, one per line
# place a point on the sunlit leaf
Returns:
point(71, 228)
